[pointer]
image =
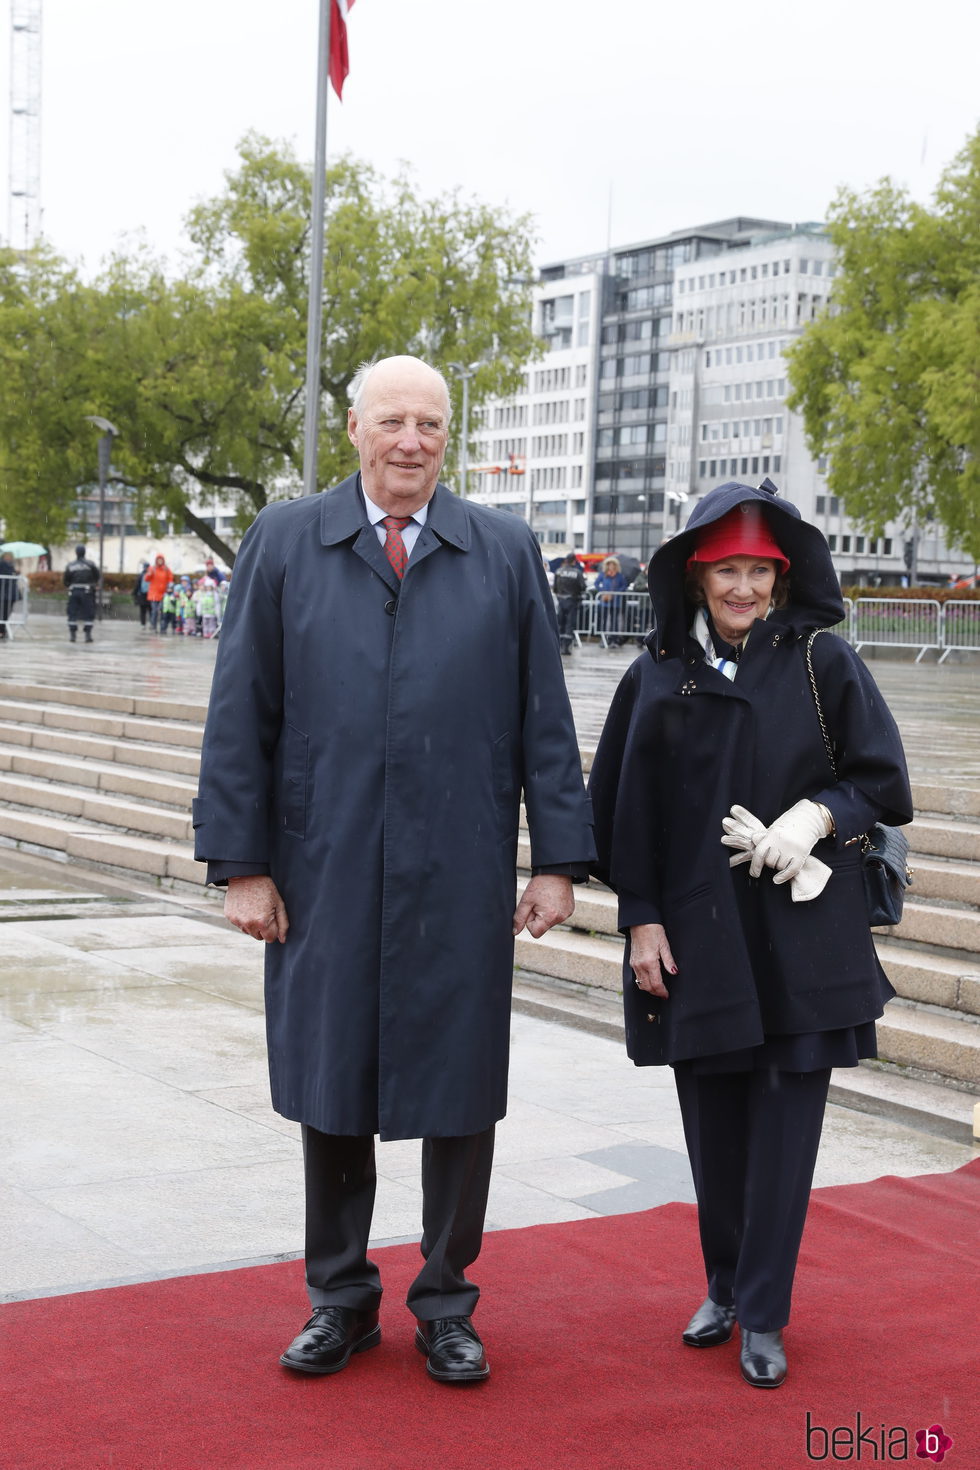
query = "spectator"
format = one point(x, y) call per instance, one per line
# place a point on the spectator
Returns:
point(140, 590)
point(609, 586)
point(8, 592)
point(206, 603)
point(168, 610)
point(158, 579)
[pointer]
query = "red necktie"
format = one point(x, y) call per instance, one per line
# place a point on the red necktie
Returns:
point(395, 549)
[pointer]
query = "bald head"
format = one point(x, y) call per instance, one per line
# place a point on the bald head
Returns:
point(387, 368)
point(399, 422)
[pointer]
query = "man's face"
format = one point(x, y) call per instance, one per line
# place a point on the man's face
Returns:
point(401, 435)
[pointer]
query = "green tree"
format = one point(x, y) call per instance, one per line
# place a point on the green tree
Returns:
point(888, 380)
point(204, 374)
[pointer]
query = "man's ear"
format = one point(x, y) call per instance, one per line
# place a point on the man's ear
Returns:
point(352, 427)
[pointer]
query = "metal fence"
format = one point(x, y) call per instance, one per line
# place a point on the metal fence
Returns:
point(13, 604)
point(896, 622)
point(614, 618)
point(959, 627)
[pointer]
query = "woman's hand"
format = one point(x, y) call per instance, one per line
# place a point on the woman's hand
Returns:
point(648, 951)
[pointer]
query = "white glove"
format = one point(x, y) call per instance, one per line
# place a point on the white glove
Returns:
point(787, 843)
point(742, 830)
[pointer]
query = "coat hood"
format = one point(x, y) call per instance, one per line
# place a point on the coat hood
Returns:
point(815, 595)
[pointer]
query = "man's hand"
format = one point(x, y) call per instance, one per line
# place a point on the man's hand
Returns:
point(648, 951)
point(548, 899)
point(254, 905)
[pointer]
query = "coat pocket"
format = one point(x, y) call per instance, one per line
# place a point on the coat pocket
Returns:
point(295, 781)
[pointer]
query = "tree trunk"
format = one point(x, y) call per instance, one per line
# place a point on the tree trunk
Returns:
point(208, 535)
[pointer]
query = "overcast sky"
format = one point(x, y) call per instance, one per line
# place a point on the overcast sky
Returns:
point(612, 121)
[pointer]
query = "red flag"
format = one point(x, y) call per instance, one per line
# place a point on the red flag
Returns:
point(339, 65)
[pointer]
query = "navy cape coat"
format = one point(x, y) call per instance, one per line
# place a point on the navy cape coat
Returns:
point(368, 741)
point(680, 746)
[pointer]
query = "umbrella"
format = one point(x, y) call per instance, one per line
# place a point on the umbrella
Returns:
point(23, 548)
point(628, 565)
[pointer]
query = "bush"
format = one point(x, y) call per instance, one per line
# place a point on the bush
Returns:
point(930, 594)
point(47, 583)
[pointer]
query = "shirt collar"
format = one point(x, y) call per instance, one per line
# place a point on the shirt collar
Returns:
point(376, 514)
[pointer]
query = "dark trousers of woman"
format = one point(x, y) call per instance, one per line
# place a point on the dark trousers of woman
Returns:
point(341, 1179)
point(752, 1138)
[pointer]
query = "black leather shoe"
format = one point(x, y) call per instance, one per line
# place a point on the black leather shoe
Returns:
point(763, 1359)
point(710, 1326)
point(453, 1350)
point(328, 1339)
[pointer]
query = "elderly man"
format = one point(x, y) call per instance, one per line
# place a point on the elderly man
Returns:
point(388, 682)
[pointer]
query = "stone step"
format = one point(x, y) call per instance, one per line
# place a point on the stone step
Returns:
point(129, 704)
point(161, 731)
point(944, 837)
point(81, 802)
point(936, 797)
point(565, 954)
point(107, 776)
point(951, 881)
point(943, 928)
point(911, 1035)
point(58, 836)
point(931, 978)
point(179, 760)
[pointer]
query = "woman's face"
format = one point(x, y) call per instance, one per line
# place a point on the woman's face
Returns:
point(737, 591)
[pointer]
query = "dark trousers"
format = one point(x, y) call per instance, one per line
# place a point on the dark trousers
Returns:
point(340, 1186)
point(752, 1138)
point(567, 616)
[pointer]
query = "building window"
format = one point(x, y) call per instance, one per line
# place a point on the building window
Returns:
point(845, 543)
point(832, 542)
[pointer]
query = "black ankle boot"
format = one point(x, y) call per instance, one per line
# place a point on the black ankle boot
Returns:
point(88, 635)
point(72, 634)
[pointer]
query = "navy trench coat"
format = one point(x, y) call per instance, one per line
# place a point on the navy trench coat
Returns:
point(368, 742)
point(681, 745)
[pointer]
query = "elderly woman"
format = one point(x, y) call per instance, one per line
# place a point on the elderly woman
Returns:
point(610, 584)
point(734, 850)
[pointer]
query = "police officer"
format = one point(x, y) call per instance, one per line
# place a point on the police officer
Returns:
point(81, 578)
point(569, 590)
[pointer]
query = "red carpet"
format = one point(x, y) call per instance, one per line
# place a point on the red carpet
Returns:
point(582, 1326)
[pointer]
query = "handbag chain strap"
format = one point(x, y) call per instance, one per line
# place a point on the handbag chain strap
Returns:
point(864, 839)
point(816, 699)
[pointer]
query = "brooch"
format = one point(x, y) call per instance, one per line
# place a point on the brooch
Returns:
point(688, 687)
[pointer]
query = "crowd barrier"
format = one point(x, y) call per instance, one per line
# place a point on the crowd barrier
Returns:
point(615, 618)
point(13, 604)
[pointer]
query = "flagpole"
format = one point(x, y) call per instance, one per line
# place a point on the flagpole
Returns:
point(314, 315)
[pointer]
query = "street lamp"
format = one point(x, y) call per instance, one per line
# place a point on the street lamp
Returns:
point(109, 432)
point(464, 374)
point(679, 497)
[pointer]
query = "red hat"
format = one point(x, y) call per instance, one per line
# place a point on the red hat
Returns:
point(743, 531)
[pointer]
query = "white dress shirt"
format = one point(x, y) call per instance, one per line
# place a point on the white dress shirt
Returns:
point(410, 533)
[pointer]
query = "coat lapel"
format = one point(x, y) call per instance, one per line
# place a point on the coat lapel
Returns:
point(446, 522)
point(343, 518)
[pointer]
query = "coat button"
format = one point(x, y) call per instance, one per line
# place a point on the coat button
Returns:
point(391, 605)
point(775, 639)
